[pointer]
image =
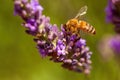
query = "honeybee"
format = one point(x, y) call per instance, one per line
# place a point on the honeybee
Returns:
point(76, 24)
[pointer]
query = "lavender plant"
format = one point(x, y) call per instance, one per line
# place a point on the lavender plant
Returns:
point(62, 46)
point(113, 16)
point(112, 44)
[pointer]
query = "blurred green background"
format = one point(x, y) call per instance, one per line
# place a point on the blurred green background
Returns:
point(20, 60)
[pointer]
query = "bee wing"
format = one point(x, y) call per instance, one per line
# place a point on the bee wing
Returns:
point(82, 12)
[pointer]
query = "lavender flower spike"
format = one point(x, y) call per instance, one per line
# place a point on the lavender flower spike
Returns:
point(113, 13)
point(62, 46)
point(73, 52)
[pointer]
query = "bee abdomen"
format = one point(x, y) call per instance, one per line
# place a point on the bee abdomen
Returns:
point(90, 29)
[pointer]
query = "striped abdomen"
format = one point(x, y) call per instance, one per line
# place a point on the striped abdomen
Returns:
point(87, 27)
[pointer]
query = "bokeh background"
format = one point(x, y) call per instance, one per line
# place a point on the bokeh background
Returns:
point(20, 60)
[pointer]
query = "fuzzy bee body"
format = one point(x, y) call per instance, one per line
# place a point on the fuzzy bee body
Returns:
point(75, 25)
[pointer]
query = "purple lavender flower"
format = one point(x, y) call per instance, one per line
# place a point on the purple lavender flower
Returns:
point(109, 47)
point(62, 46)
point(72, 51)
point(113, 13)
point(35, 6)
point(80, 43)
point(113, 16)
point(115, 44)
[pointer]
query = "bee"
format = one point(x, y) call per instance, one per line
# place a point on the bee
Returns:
point(76, 24)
